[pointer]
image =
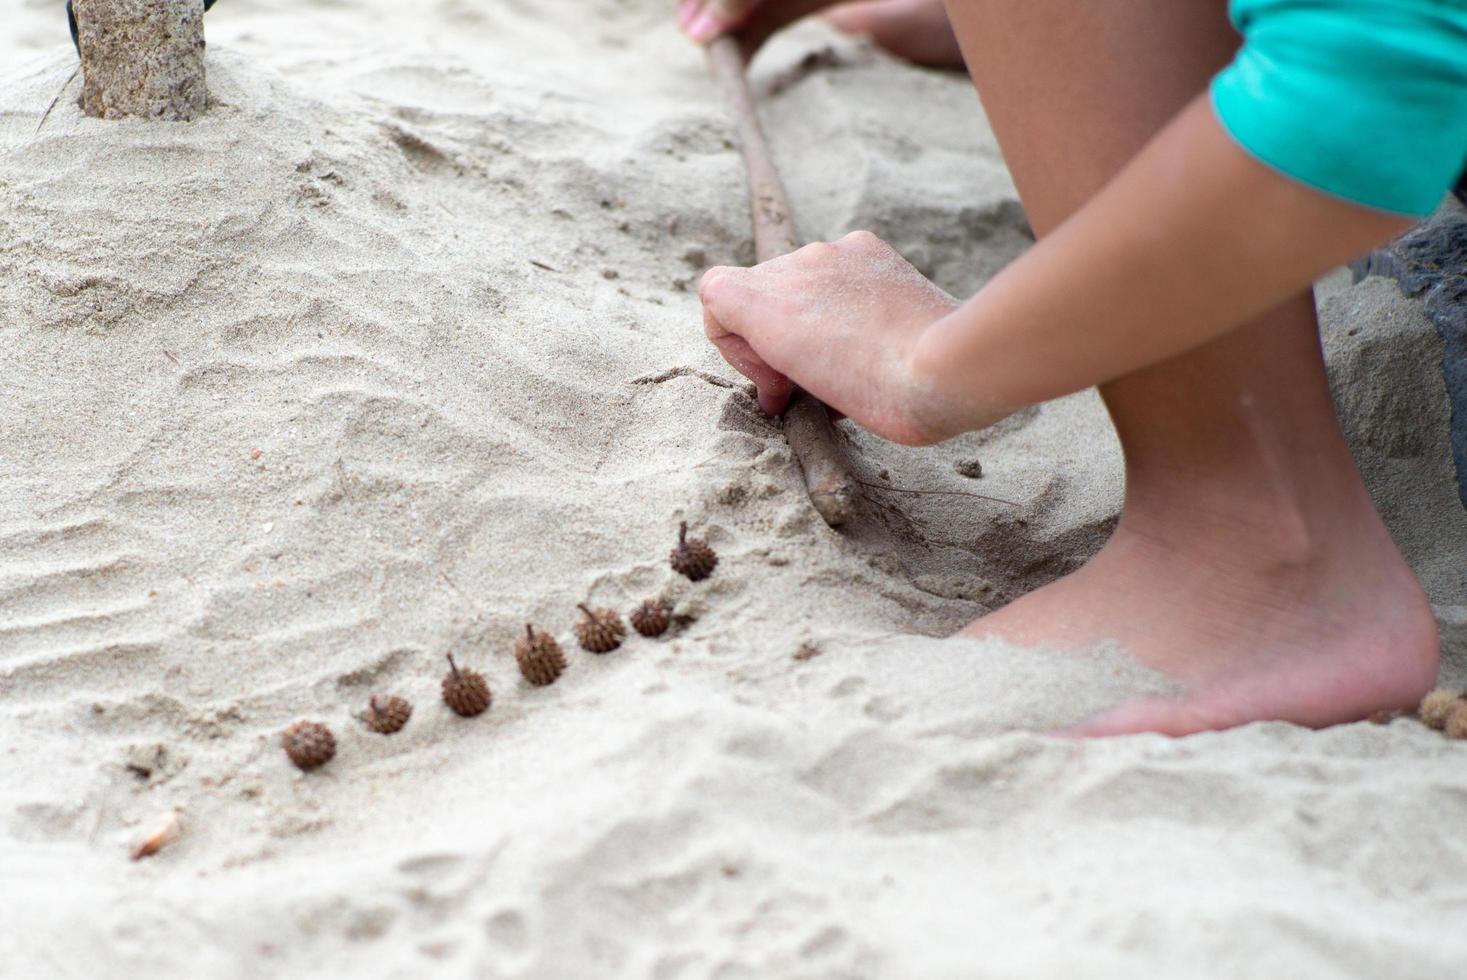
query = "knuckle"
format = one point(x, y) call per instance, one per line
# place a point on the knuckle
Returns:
point(712, 282)
point(816, 251)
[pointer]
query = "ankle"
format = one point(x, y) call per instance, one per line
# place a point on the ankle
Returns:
point(1273, 532)
point(1284, 547)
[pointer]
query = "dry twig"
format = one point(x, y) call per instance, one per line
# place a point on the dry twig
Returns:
point(807, 424)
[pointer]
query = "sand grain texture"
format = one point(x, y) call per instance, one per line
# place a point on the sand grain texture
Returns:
point(397, 348)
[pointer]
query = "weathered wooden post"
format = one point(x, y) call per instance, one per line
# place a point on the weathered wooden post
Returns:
point(142, 58)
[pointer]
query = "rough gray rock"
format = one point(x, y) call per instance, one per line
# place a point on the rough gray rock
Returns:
point(1430, 262)
point(142, 58)
point(1384, 358)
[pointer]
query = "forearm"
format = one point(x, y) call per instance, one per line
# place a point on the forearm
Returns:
point(1192, 239)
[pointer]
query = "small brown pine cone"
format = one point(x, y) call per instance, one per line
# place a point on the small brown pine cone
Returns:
point(692, 557)
point(465, 690)
point(601, 631)
point(540, 657)
point(651, 617)
point(1456, 726)
point(309, 744)
point(387, 713)
point(1436, 706)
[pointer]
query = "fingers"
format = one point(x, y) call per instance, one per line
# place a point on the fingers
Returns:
point(774, 389)
point(755, 20)
point(745, 317)
point(720, 291)
point(686, 10)
point(703, 20)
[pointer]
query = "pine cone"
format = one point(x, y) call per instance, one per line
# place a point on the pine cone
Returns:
point(601, 631)
point(1456, 726)
point(692, 557)
point(1437, 706)
point(387, 713)
point(465, 690)
point(651, 617)
point(309, 744)
point(539, 656)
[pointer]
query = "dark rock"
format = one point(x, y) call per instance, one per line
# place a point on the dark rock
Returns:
point(1430, 262)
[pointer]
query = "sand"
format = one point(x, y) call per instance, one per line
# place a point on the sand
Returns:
point(397, 348)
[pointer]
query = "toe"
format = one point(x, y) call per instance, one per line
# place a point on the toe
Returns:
point(1300, 697)
point(1162, 716)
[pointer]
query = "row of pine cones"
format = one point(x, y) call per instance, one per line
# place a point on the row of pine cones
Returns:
point(310, 744)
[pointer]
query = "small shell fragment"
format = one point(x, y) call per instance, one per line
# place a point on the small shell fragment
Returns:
point(160, 831)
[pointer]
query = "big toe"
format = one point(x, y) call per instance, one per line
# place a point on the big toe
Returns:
point(1301, 697)
point(1159, 715)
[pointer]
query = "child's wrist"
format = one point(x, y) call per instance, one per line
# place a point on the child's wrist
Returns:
point(943, 399)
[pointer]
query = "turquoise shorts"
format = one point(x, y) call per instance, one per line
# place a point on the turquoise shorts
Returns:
point(1362, 99)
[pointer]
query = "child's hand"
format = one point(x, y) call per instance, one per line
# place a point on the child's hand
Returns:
point(703, 20)
point(840, 320)
point(755, 20)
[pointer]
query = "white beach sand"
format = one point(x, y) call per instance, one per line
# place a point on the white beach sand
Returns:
point(397, 348)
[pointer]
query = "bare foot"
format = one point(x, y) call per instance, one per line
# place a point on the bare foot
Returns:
point(917, 30)
point(1257, 619)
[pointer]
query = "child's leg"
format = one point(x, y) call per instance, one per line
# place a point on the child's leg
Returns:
point(1249, 562)
point(916, 30)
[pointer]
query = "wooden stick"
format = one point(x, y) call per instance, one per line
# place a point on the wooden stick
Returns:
point(807, 424)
